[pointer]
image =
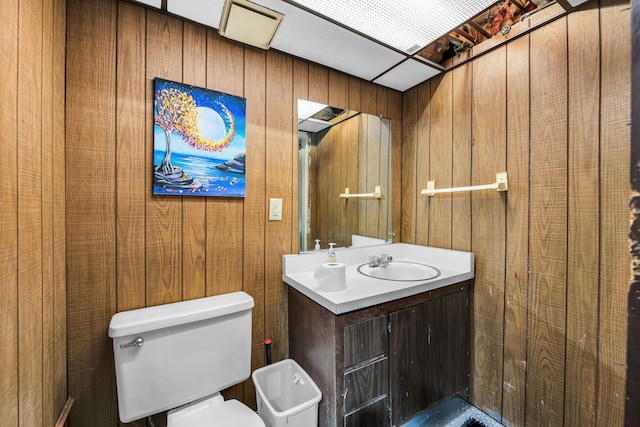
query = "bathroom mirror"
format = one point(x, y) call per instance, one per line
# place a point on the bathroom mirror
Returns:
point(344, 177)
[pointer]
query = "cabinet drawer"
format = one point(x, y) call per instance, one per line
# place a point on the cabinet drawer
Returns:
point(365, 340)
point(366, 383)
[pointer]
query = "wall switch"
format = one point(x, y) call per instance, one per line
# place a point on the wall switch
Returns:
point(275, 209)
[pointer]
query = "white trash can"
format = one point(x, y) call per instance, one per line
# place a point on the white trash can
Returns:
point(286, 395)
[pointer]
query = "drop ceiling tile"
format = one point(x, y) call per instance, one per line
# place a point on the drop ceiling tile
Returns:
point(407, 75)
point(207, 12)
point(307, 36)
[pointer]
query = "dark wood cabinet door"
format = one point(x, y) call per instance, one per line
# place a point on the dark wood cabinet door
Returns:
point(429, 354)
point(412, 361)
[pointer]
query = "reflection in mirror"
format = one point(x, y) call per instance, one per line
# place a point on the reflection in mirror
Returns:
point(341, 149)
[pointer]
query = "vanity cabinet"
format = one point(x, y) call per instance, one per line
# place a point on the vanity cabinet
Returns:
point(381, 365)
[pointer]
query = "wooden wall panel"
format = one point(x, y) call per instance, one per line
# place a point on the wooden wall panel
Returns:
point(488, 224)
point(163, 215)
point(279, 172)
point(552, 109)
point(517, 243)
point(255, 210)
point(409, 173)
point(33, 388)
point(440, 160)
point(194, 220)
point(224, 214)
point(395, 114)
point(8, 214)
point(461, 157)
point(47, 186)
point(614, 182)
point(30, 214)
point(548, 225)
point(583, 218)
point(423, 134)
point(59, 242)
point(90, 214)
point(130, 157)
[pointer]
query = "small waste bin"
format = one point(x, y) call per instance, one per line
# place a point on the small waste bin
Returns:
point(286, 395)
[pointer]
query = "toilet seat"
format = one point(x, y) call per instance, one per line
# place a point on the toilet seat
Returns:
point(215, 412)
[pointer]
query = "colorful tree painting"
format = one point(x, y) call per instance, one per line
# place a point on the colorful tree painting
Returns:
point(177, 113)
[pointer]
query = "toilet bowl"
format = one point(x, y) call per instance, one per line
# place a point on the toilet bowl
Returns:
point(178, 357)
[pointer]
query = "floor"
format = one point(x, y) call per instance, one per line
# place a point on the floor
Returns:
point(452, 412)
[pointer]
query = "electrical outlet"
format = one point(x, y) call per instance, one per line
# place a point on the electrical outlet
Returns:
point(275, 209)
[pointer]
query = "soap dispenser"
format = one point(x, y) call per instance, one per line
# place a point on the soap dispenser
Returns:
point(317, 247)
point(332, 252)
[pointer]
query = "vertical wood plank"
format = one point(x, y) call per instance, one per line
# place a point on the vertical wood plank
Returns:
point(548, 226)
point(194, 225)
point(355, 94)
point(395, 114)
point(351, 156)
point(130, 157)
point(338, 89)
point(385, 225)
point(440, 160)
point(423, 144)
point(163, 214)
point(90, 187)
point(30, 205)
point(369, 155)
point(488, 222)
point(279, 114)
point(461, 155)
point(614, 181)
point(318, 83)
point(60, 279)
point(338, 97)
point(131, 102)
point(8, 213)
point(224, 214)
point(517, 239)
point(409, 164)
point(49, 414)
point(255, 210)
point(583, 218)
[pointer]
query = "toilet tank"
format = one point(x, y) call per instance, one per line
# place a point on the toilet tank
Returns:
point(169, 355)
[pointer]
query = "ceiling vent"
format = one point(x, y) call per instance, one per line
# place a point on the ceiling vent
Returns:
point(249, 23)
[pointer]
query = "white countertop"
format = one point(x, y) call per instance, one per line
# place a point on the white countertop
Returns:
point(363, 291)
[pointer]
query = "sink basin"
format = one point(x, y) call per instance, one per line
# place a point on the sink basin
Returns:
point(401, 271)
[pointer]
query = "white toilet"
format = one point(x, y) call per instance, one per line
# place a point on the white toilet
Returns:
point(179, 356)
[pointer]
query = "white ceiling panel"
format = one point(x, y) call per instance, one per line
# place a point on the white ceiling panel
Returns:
point(407, 75)
point(307, 36)
point(207, 12)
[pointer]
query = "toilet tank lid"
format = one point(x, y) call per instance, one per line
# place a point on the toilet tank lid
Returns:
point(147, 319)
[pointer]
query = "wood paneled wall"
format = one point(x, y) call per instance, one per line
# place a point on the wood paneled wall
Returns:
point(127, 248)
point(552, 108)
point(33, 359)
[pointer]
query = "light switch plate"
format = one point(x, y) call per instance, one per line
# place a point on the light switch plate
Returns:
point(275, 209)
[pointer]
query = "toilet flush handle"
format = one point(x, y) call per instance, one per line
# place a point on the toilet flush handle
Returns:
point(135, 343)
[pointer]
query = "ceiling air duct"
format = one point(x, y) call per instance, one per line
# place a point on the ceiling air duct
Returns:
point(249, 23)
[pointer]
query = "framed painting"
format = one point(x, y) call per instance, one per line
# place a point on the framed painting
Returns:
point(199, 141)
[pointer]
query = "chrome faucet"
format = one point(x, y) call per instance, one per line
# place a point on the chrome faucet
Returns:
point(379, 261)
